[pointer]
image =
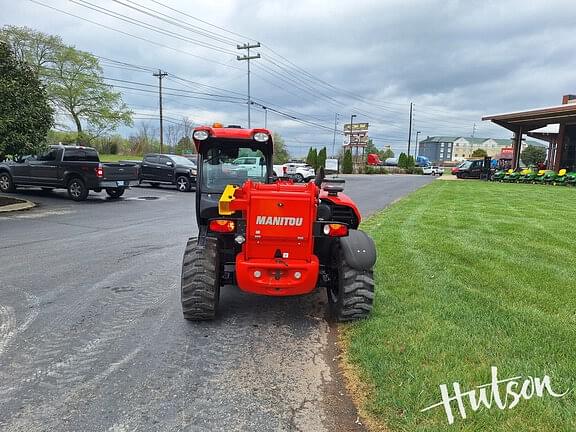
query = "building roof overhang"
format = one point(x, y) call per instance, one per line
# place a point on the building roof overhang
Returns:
point(535, 118)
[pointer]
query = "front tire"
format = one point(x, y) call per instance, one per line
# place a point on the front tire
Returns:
point(115, 192)
point(6, 183)
point(351, 291)
point(299, 178)
point(77, 190)
point(200, 283)
point(183, 184)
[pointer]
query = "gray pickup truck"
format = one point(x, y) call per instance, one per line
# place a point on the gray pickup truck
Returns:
point(77, 169)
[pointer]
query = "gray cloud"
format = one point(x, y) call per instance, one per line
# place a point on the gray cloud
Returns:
point(456, 60)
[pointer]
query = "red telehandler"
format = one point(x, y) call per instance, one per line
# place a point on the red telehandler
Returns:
point(268, 235)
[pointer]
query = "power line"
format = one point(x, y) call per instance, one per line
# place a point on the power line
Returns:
point(148, 26)
point(131, 35)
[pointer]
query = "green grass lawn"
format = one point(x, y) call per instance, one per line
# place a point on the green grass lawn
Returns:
point(471, 275)
point(116, 157)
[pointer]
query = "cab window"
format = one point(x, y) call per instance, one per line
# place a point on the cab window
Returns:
point(222, 166)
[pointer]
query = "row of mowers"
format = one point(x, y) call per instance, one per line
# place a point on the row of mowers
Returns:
point(534, 176)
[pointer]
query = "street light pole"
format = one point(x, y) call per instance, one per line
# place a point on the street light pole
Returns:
point(351, 128)
point(410, 129)
point(416, 150)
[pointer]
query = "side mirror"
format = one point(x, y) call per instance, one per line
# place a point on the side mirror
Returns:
point(170, 164)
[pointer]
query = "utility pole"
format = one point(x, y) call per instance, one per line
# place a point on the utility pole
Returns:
point(248, 57)
point(334, 140)
point(265, 117)
point(410, 129)
point(416, 149)
point(160, 75)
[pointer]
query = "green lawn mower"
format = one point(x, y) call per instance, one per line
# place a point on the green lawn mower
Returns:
point(545, 176)
point(570, 178)
point(526, 175)
point(498, 176)
point(511, 176)
point(560, 178)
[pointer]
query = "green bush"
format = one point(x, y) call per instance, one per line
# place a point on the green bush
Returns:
point(347, 166)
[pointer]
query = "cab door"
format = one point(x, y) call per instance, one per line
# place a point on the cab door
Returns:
point(166, 168)
point(148, 169)
point(44, 168)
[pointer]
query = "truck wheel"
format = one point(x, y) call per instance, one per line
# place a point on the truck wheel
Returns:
point(200, 287)
point(115, 192)
point(183, 184)
point(351, 291)
point(77, 189)
point(6, 183)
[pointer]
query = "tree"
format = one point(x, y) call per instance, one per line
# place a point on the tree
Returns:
point(322, 155)
point(281, 154)
point(73, 80)
point(386, 154)
point(25, 114)
point(77, 87)
point(185, 145)
point(312, 158)
point(405, 161)
point(533, 155)
point(370, 147)
point(32, 47)
point(479, 153)
point(347, 166)
point(402, 160)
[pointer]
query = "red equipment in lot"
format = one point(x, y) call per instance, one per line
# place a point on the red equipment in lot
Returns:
point(373, 159)
point(271, 236)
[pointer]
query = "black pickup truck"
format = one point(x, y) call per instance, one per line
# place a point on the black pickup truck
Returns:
point(77, 169)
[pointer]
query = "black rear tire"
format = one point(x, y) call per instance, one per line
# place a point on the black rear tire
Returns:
point(351, 291)
point(115, 192)
point(6, 183)
point(183, 184)
point(77, 189)
point(200, 285)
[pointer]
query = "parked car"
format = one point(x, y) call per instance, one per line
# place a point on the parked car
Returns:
point(455, 169)
point(433, 170)
point(77, 169)
point(255, 166)
point(300, 172)
point(471, 169)
point(170, 169)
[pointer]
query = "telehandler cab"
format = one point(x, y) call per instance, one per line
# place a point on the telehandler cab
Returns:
point(271, 236)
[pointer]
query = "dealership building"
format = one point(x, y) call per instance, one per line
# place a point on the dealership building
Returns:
point(555, 125)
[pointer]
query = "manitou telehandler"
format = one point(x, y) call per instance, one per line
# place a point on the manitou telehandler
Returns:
point(268, 235)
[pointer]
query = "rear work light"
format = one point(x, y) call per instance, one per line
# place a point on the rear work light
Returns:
point(222, 226)
point(200, 135)
point(336, 230)
point(261, 136)
point(99, 171)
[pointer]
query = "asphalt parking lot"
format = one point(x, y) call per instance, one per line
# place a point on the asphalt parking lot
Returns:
point(92, 337)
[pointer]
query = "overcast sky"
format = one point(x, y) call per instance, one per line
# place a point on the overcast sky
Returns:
point(455, 60)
